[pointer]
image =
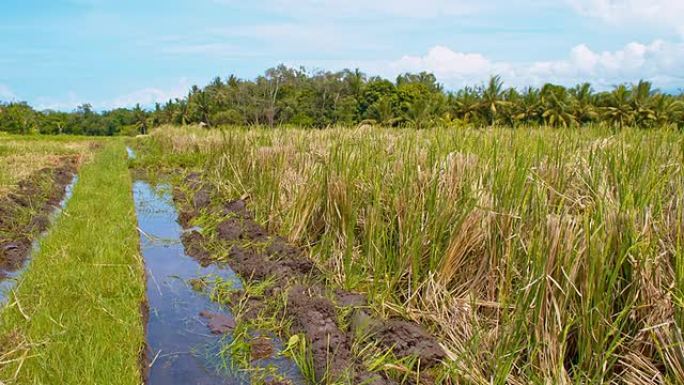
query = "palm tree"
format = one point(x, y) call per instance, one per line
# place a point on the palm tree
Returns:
point(583, 104)
point(140, 119)
point(642, 94)
point(557, 108)
point(492, 99)
point(355, 79)
point(201, 102)
point(666, 110)
point(420, 112)
point(182, 114)
point(529, 107)
point(383, 111)
point(618, 109)
point(510, 110)
point(467, 104)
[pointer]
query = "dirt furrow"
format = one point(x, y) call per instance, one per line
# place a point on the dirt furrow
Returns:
point(25, 212)
point(256, 256)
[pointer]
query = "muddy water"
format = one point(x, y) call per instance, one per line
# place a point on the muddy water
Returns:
point(8, 283)
point(181, 348)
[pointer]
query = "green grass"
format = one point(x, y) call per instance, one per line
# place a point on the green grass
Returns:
point(75, 317)
point(535, 255)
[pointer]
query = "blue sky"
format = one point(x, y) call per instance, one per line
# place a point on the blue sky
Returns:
point(60, 53)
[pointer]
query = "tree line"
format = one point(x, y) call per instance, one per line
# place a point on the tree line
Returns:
point(295, 97)
point(20, 118)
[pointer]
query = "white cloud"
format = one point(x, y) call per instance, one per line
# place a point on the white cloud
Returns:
point(659, 61)
point(6, 93)
point(667, 13)
point(445, 63)
point(146, 97)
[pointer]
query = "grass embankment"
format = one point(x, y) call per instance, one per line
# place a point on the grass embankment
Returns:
point(75, 316)
point(536, 255)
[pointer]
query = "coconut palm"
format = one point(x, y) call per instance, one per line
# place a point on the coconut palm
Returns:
point(642, 100)
point(201, 101)
point(492, 99)
point(557, 108)
point(420, 112)
point(182, 113)
point(666, 110)
point(618, 109)
point(467, 104)
point(509, 112)
point(529, 106)
point(583, 105)
point(140, 119)
point(383, 111)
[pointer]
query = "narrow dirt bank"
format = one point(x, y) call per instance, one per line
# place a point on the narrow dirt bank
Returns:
point(312, 308)
point(25, 212)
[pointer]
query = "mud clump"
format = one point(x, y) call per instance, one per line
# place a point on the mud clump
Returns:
point(253, 265)
point(218, 323)
point(191, 205)
point(237, 207)
point(410, 339)
point(194, 246)
point(234, 229)
point(185, 217)
point(345, 298)
point(229, 230)
point(202, 198)
point(261, 348)
point(291, 257)
point(316, 318)
point(404, 338)
point(13, 253)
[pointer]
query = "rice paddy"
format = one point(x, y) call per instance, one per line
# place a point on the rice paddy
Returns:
point(534, 255)
point(364, 255)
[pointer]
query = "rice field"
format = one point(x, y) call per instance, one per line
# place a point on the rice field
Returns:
point(22, 156)
point(534, 255)
point(361, 255)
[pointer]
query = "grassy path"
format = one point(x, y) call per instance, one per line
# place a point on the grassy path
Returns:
point(75, 318)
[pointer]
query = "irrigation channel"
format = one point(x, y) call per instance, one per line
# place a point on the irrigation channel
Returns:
point(185, 329)
point(9, 282)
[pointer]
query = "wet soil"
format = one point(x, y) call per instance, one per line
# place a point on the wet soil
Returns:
point(261, 348)
point(185, 328)
point(218, 323)
point(25, 212)
point(181, 348)
point(256, 255)
point(316, 317)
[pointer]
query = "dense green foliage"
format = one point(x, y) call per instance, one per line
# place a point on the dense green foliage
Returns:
point(287, 96)
point(20, 118)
